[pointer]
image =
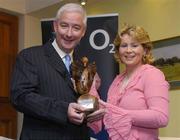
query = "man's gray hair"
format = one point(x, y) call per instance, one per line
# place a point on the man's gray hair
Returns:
point(72, 7)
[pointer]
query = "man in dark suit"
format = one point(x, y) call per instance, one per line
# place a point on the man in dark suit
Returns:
point(41, 86)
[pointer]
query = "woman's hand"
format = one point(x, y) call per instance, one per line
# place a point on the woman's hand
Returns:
point(98, 114)
point(102, 103)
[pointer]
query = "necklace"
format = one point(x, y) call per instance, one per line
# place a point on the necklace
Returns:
point(125, 80)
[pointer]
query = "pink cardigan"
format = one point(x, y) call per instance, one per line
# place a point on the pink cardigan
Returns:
point(139, 110)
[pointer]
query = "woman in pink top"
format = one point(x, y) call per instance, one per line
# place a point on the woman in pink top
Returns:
point(137, 103)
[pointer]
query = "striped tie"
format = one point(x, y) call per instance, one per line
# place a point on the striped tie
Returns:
point(68, 62)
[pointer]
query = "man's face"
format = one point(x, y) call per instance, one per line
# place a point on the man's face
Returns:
point(69, 30)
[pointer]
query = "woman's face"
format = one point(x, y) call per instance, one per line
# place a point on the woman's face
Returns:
point(131, 51)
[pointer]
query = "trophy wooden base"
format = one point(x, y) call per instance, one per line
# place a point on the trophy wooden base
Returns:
point(89, 102)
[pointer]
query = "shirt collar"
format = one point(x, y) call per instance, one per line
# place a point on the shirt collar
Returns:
point(59, 51)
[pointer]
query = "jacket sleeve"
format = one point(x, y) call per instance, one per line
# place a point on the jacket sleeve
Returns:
point(25, 95)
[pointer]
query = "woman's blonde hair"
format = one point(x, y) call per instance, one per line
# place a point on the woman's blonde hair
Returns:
point(139, 34)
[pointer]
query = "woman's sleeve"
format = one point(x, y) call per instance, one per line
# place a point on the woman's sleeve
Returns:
point(117, 123)
point(93, 91)
point(97, 125)
point(157, 99)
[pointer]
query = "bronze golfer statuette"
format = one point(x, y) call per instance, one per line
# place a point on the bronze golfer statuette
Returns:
point(83, 74)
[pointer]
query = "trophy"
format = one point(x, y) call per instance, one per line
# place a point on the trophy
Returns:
point(83, 74)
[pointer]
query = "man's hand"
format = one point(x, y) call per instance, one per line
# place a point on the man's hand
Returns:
point(75, 113)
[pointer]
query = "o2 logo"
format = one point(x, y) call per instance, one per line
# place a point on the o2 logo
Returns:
point(106, 41)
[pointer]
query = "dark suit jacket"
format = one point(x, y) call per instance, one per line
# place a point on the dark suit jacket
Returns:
point(41, 89)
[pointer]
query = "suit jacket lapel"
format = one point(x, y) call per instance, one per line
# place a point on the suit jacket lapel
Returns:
point(56, 62)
